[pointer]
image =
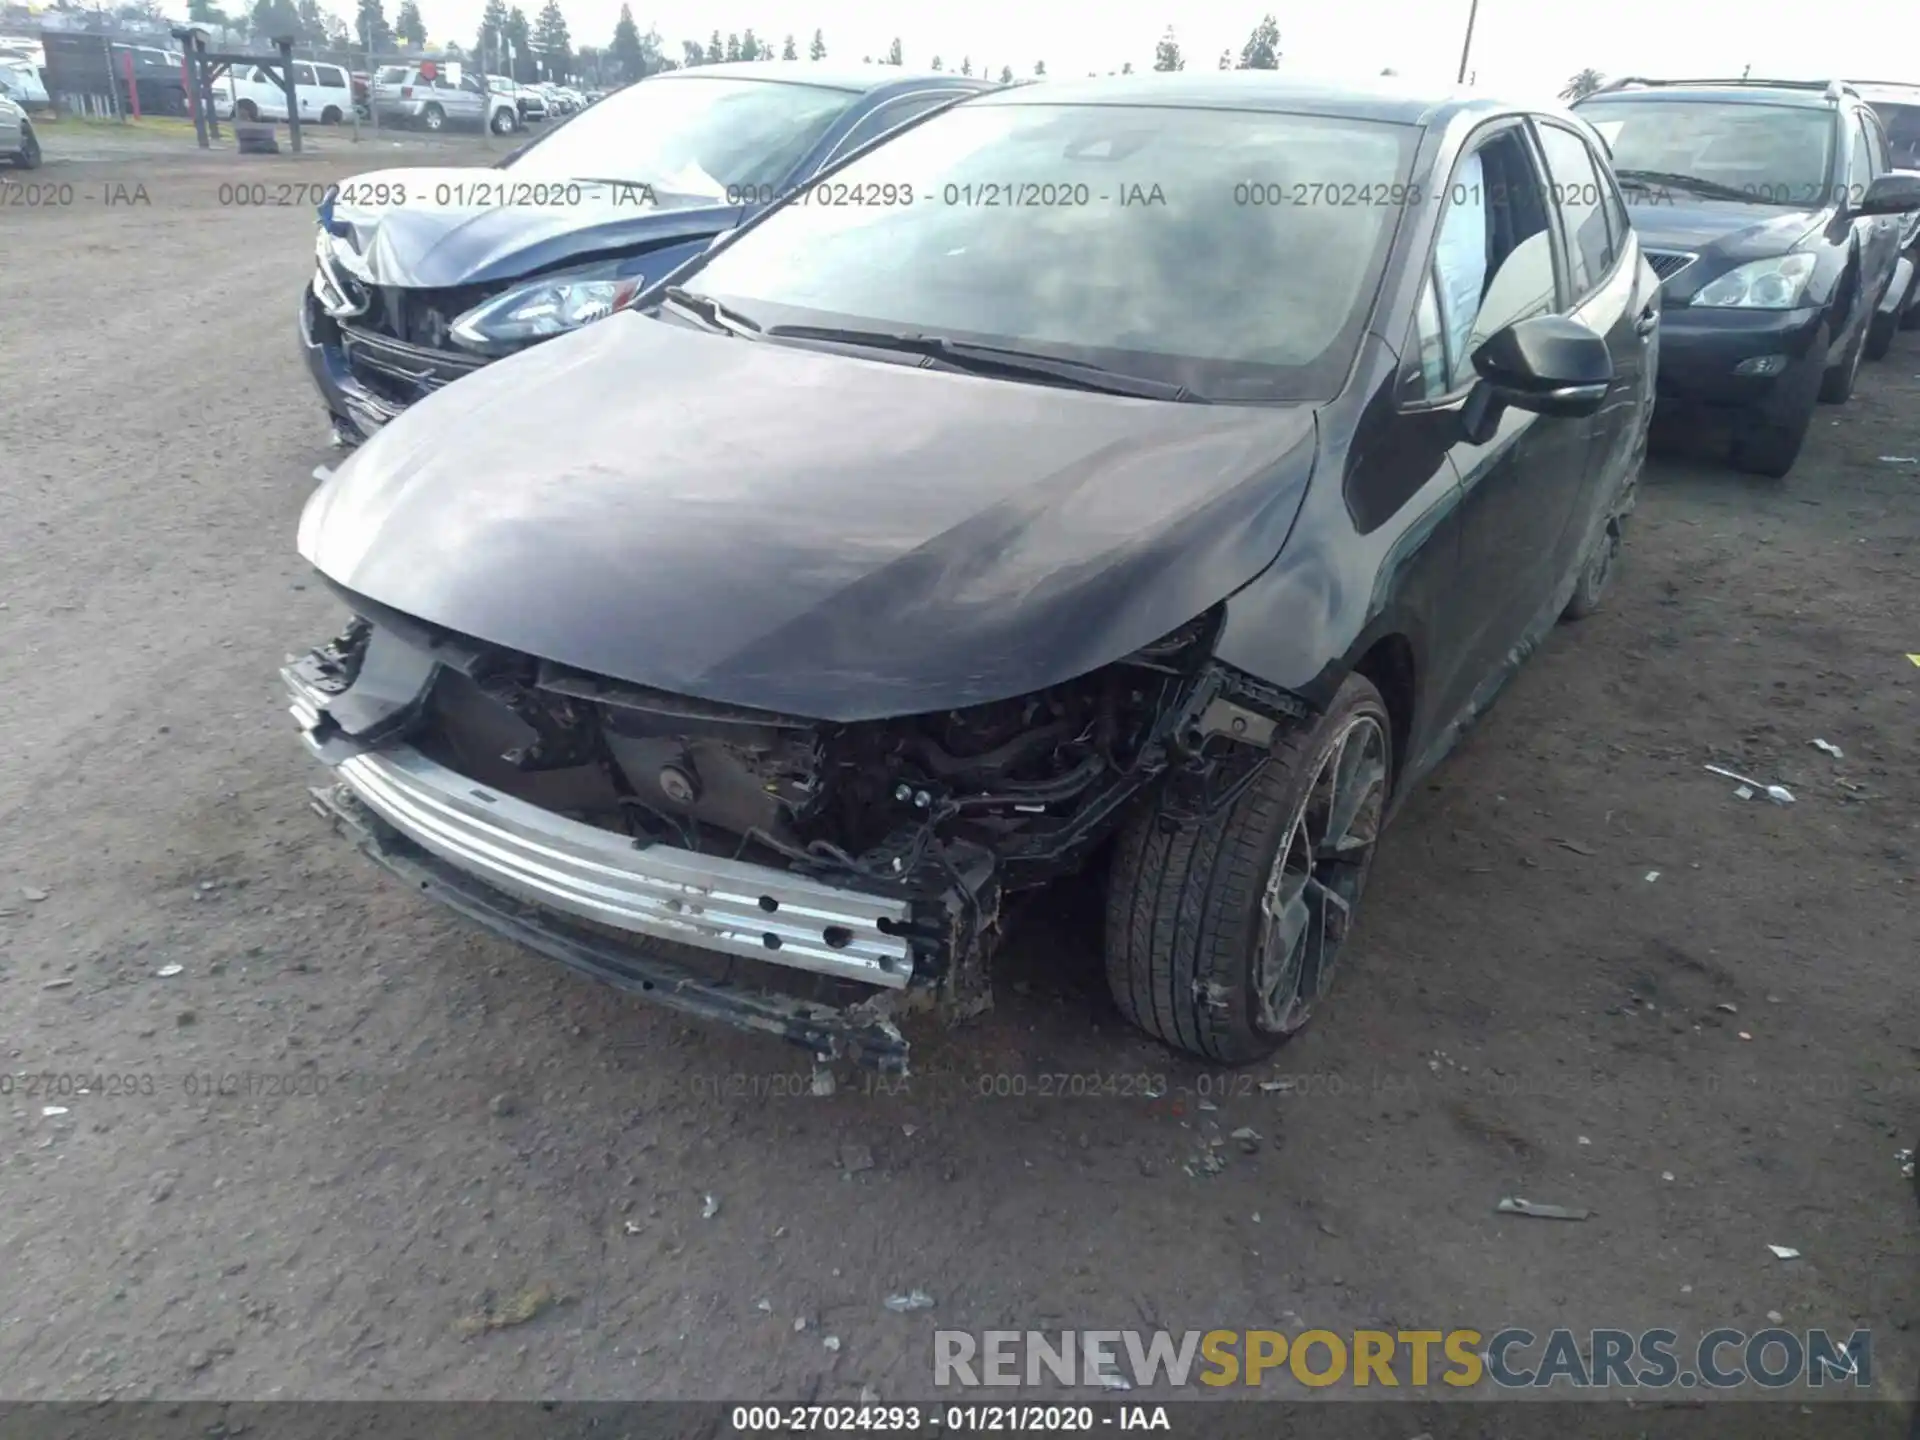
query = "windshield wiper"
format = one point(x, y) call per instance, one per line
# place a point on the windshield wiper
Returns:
point(1693, 184)
point(710, 312)
point(966, 355)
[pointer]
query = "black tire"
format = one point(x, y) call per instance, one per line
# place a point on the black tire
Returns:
point(1767, 442)
point(1186, 901)
point(1769, 448)
point(434, 118)
point(1836, 384)
point(331, 115)
point(1591, 588)
point(27, 157)
point(1880, 332)
point(1911, 320)
point(246, 110)
point(504, 121)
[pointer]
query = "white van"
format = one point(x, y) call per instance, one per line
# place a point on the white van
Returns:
point(253, 92)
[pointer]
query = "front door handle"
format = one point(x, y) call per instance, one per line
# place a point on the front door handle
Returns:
point(1649, 318)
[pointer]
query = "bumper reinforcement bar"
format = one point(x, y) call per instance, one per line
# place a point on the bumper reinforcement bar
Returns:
point(862, 1034)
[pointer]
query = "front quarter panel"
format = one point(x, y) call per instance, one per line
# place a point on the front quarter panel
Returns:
point(1333, 592)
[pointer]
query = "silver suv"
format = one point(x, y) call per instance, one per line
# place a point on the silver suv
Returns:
point(404, 95)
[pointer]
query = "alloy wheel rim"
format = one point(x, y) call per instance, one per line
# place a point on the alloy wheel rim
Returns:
point(1314, 885)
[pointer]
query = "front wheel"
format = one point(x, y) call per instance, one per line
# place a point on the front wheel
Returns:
point(1768, 439)
point(1591, 588)
point(1880, 331)
point(1223, 933)
point(246, 110)
point(503, 122)
point(27, 157)
point(1836, 385)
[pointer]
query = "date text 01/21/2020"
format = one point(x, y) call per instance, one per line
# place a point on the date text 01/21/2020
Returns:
point(961, 1418)
point(986, 195)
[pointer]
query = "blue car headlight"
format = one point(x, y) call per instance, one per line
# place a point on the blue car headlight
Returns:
point(548, 306)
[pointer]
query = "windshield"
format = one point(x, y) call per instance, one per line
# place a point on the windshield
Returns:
point(1902, 124)
point(1235, 253)
point(702, 136)
point(1769, 154)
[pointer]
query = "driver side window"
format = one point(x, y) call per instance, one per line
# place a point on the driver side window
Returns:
point(1492, 264)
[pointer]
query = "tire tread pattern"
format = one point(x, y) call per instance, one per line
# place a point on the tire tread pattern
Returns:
point(1183, 901)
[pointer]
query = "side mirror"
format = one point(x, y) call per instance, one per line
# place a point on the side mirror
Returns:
point(1548, 365)
point(1894, 193)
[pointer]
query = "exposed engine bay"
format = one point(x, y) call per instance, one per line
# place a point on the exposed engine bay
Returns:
point(954, 810)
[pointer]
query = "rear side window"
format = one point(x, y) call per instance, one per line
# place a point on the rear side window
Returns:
point(393, 74)
point(1581, 198)
point(330, 77)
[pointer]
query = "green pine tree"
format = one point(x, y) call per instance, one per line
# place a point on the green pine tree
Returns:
point(1262, 50)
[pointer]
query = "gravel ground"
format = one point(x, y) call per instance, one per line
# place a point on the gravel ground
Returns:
point(1587, 974)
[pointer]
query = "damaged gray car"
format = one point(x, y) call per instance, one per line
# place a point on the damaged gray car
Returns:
point(1071, 495)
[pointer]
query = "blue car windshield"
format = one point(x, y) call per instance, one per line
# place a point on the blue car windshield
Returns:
point(690, 134)
point(1235, 252)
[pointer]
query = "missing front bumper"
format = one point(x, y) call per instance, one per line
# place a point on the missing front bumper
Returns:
point(863, 1033)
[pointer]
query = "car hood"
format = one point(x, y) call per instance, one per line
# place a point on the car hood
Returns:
point(843, 538)
point(1673, 222)
point(521, 223)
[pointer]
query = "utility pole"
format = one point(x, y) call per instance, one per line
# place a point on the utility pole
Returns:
point(1466, 48)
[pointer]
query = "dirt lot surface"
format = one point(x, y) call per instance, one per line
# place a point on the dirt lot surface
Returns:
point(1588, 974)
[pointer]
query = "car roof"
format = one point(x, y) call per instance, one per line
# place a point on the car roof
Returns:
point(1892, 92)
point(1391, 100)
point(1804, 95)
point(821, 72)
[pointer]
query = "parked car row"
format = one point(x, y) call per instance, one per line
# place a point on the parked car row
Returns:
point(933, 488)
point(1781, 230)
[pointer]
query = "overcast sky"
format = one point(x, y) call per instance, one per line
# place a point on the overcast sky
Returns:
point(1520, 46)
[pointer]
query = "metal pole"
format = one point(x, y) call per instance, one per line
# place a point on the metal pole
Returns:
point(486, 103)
point(1466, 47)
point(285, 47)
point(193, 92)
point(119, 110)
point(133, 90)
point(196, 62)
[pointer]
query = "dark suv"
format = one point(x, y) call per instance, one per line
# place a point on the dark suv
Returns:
point(1898, 107)
point(1771, 210)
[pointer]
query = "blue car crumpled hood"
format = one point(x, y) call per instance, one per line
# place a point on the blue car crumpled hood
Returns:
point(506, 225)
point(787, 529)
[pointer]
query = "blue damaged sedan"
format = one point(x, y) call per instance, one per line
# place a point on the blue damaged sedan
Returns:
point(425, 274)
